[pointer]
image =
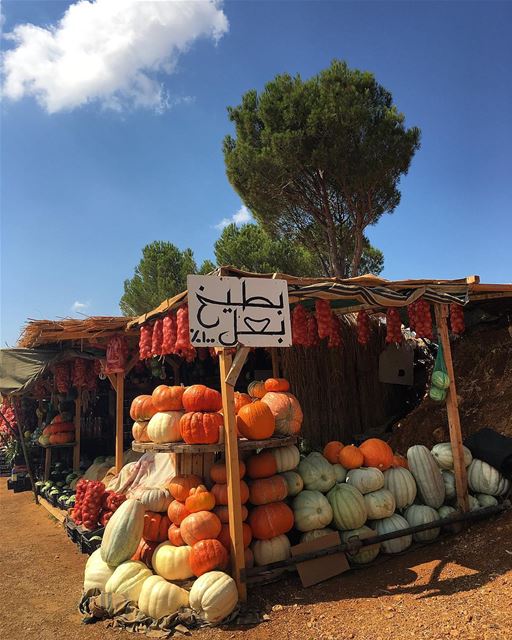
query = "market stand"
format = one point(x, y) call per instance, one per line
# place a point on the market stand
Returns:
point(366, 293)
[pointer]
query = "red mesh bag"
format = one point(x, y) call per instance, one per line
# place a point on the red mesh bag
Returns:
point(457, 323)
point(169, 334)
point(157, 337)
point(323, 318)
point(145, 340)
point(393, 326)
point(299, 325)
point(363, 327)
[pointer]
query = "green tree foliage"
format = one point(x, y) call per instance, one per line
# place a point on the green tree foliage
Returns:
point(320, 160)
point(161, 273)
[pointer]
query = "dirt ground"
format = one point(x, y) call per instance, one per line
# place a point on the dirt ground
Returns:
point(460, 587)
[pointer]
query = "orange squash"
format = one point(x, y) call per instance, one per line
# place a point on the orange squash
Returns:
point(201, 428)
point(332, 451)
point(261, 465)
point(377, 453)
point(156, 526)
point(177, 512)
point(218, 472)
point(225, 538)
point(256, 389)
point(399, 461)
point(241, 399)
point(200, 499)
point(208, 555)
point(179, 487)
point(174, 535)
point(202, 525)
point(255, 421)
point(270, 520)
point(198, 397)
point(142, 408)
point(144, 552)
point(267, 490)
point(277, 384)
point(63, 437)
point(350, 457)
point(221, 511)
point(168, 398)
point(286, 410)
point(220, 491)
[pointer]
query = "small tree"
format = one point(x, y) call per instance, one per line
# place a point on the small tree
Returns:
point(161, 273)
point(320, 160)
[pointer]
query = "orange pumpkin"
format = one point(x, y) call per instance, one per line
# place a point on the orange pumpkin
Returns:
point(222, 512)
point(399, 461)
point(350, 457)
point(270, 520)
point(208, 555)
point(179, 487)
point(256, 389)
point(277, 384)
point(62, 437)
point(268, 490)
point(140, 431)
point(144, 552)
point(241, 399)
point(261, 465)
point(249, 558)
point(218, 472)
point(377, 453)
point(156, 526)
point(332, 451)
point(201, 428)
point(202, 525)
point(142, 408)
point(177, 512)
point(174, 535)
point(287, 412)
point(255, 421)
point(198, 397)
point(200, 499)
point(225, 538)
point(220, 491)
point(168, 398)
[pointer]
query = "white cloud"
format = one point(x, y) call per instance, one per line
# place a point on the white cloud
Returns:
point(242, 216)
point(79, 306)
point(107, 51)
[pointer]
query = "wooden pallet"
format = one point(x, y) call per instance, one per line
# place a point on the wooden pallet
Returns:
point(58, 514)
point(243, 445)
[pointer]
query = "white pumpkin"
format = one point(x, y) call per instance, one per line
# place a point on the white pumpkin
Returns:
point(427, 475)
point(311, 510)
point(172, 563)
point(340, 472)
point(483, 478)
point(388, 525)
point(160, 598)
point(474, 505)
point(123, 533)
point(422, 514)
point(443, 455)
point(294, 482)
point(449, 484)
point(272, 550)
point(97, 572)
point(214, 596)
point(156, 499)
point(503, 486)
point(365, 479)
point(317, 472)
point(287, 458)
point(315, 533)
point(164, 426)
point(486, 501)
point(365, 554)
point(379, 504)
point(402, 485)
point(445, 512)
point(348, 506)
point(128, 579)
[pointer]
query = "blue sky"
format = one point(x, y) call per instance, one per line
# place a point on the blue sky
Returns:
point(87, 185)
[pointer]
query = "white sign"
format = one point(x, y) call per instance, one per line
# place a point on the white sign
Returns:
point(224, 312)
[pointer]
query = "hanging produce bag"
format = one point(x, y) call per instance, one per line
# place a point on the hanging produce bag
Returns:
point(440, 378)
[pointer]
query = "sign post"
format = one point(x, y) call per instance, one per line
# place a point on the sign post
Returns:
point(236, 312)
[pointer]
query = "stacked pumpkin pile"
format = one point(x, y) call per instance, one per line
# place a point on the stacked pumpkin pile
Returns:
point(59, 431)
point(284, 406)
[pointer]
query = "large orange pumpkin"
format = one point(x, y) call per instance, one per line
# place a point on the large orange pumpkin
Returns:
point(241, 399)
point(218, 472)
point(156, 526)
point(179, 487)
point(268, 490)
point(144, 552)
point(332, 451)
point(350, 457)
point(270, 520)
point(198, 427)
point(200, 499)
point(140, 431)
point(256, 389)
point(377, 453)
point(168, 398)
point(198, 526)
point(255, 421)
point(198, 397)
point(277, 384)
point(174, 535)
point(225, 538)
point(177, 512)
point(222, 512)
point(208, 555)
point(220, 491)
point(287, 412)
point(142, 408)
point(261, 465)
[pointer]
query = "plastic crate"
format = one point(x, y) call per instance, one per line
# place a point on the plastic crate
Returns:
point(85, 544)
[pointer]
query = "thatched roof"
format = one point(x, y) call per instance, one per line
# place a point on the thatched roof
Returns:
point(91, 329)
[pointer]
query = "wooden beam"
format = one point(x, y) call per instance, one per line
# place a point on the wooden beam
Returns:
point(452, 407)
point(119, 420)
point(131, 363)
point(234, 502)
point(78, 423)
point(113, 380)
point(236, 366)
point(275, 362)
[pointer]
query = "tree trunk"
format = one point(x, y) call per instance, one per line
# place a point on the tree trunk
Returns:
point(336, 266)
point(358, 250)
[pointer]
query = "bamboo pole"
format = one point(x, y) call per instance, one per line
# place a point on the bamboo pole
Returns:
point(78, 423)
point(119, 420)
point(232, 469)
point(452, 407)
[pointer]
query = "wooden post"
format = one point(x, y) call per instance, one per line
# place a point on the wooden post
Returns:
point(119, 420)
point(275, 362)
point(78, 423)
point(47, 462)
point(234, 503)
point(452, 407)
